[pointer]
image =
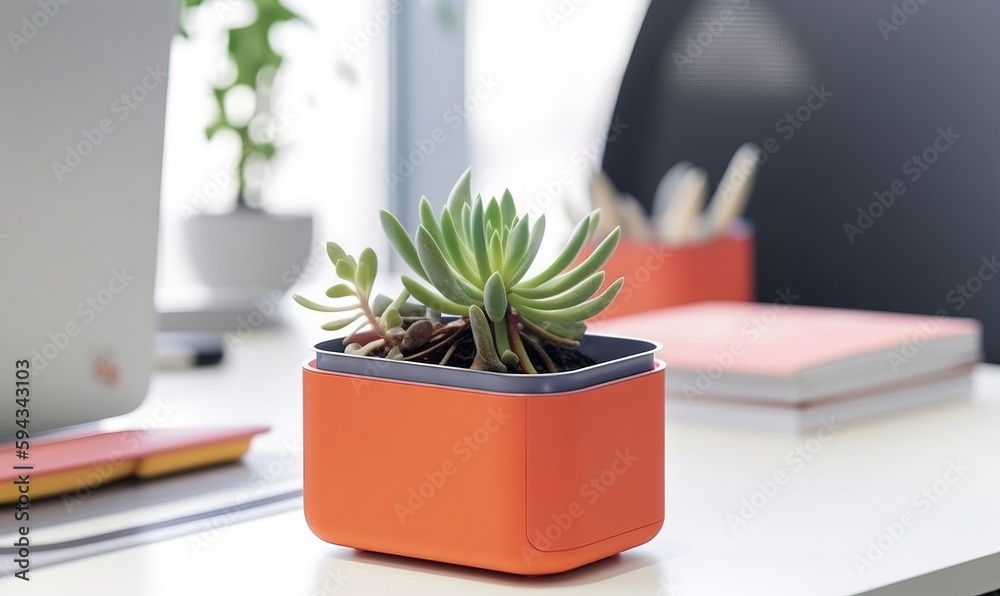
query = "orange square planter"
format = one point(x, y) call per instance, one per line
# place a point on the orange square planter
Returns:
point(522, 483)
point(659, 276)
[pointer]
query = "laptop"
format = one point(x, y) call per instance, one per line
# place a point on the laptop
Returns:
point(82, 106)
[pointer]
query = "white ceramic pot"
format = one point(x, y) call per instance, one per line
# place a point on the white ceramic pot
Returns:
point(248, 251)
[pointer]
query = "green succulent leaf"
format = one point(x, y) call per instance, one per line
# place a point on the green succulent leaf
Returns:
point(399, 303)
point(429, 221)
point(534, 243)
point(575, 295)
point(495, 299)
point(322, 307)
point(391, 318)
point(486, 352)
point(502, 341)
point(460, 196)
point(510, 359)
point(496, 253)
point(508, 209)
point(517, 245)
point(365, 350)
point(341, 323)
point(335, 252)
point(493, 214)
point(509, 229)
point(577, 313)
point(438, 271)
point(588, 267)
point(595, 219)
point(455, 246)
point(346, 270)
point(367, 270)
point(431, 299)
point(474, 293)
point(571, 331)
point(479, 246)
point(341, 291)
point(465, 223)
point(400, 241)
point(578, 239)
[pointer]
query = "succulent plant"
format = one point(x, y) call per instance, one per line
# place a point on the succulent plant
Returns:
point(472, 261)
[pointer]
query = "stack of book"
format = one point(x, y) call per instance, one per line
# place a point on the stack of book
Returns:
point(794, 368)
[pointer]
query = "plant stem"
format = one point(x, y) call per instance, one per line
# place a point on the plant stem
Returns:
point(369, 347)
point(549, 365)
point(548, 336)
point(515, 343)
point(459, 325)
point(502, 338)
point(443, 342)
point(400, 301)
point(448, 354)
point(373, 321)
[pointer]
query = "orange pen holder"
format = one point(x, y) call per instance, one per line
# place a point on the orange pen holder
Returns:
point(526, 484)
point(659, 276)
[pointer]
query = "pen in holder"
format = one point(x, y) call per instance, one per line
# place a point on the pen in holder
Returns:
point(659, 276)
point(684, 251)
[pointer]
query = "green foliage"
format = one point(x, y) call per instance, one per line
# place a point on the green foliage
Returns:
point(475, 253)
point(257, 63)
point(357, 279)
point(470, 261)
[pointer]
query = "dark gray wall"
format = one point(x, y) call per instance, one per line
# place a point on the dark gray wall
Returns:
point(940, 69)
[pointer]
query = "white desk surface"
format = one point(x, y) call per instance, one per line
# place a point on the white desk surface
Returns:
point(802, 540)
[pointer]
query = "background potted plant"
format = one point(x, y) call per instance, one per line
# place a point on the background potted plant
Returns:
point(499, 436)
point(228, 251)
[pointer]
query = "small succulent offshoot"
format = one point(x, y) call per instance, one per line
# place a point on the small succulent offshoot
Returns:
point(471, 261)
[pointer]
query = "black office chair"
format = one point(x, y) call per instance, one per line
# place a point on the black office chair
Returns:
point(889, 93)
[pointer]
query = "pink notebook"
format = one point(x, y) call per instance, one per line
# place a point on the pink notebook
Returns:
point(53, 466)
point(793, 368)
point(776, 340)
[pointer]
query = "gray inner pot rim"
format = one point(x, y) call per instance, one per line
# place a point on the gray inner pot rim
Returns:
point(622, 357)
